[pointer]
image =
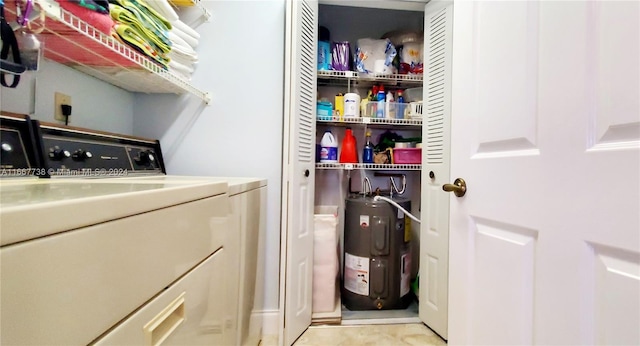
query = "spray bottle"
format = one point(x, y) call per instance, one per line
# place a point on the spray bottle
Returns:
point(367, 152)
point(381, 97)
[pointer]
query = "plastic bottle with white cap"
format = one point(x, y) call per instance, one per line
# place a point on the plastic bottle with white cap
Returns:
point(328, 148)
point(389, 110)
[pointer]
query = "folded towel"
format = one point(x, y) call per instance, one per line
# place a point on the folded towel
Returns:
point(186, 61)
point(102, 22)
point(180, 45)
point(190, 40)
point(145, 9)
point(130, 36)
point(164, 9)
point(151, 20)
point(178, 24)
point(124, 16)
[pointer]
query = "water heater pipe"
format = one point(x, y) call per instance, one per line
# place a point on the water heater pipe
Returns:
point(377, 198)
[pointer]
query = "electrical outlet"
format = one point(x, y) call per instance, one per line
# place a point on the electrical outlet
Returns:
point(60, 99)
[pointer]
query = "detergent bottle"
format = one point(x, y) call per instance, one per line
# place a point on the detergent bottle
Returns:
point(349, 153)
point(328, 148)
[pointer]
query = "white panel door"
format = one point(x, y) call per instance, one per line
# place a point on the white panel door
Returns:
point(298, 167)
point(436, 129)
point(545, 245)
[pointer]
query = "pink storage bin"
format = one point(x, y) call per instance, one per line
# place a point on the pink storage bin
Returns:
point(407, 155)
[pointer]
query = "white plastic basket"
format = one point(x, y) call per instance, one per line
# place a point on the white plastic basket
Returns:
point(415, 110)
point(394, 108)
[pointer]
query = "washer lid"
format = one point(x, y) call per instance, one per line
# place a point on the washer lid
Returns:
point(47, 206)
point(236, 184)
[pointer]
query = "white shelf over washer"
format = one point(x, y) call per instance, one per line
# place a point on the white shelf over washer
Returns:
point(73, 42)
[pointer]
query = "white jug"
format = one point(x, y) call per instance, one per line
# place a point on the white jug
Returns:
point(351, 105)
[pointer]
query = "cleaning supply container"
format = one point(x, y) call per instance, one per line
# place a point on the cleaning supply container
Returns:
point(349, 153)
point(367, 151)
point(351, 105)
point(339, 106)
point(328, 148)
point(324, 110)
point(377, 255)
point(324, 56)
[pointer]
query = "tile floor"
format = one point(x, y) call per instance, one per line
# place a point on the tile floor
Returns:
point(386, 334)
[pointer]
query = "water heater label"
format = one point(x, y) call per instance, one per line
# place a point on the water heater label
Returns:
point(356, 274)
point(364, 221)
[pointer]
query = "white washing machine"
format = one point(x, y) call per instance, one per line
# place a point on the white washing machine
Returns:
point(78, 257)
point(244, 245)
point(116, 260)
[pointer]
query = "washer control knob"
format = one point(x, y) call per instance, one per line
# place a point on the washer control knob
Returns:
point(58, 154)
point(7, 147)
point(146, 158)
point(81, 155)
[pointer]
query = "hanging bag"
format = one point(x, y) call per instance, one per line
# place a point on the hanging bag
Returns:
point(9, 44)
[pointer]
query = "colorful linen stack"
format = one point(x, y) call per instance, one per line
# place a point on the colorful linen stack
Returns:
point(143, 28)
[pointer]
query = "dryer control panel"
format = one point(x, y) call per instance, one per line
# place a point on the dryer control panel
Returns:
point(78, 152)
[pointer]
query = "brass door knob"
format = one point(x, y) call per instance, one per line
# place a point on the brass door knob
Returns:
point(459, 187)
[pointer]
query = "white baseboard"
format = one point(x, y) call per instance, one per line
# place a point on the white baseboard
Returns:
point(270, 322)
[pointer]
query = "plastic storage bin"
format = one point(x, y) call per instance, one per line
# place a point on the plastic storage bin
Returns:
point(407, 155)
point(324, 111)
point(396, 110)
point(415, 110)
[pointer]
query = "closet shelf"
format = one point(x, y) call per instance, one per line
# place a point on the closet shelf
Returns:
point(341, 77)
point(371, 121)
point(71, 41)
point(369, 166)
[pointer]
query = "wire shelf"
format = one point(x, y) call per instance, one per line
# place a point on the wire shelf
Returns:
point(369, 166)
point(337, 74)
point(368, 78)
point(92, 52)
point(371, 121)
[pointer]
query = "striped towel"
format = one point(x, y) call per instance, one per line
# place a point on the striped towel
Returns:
point(131, 36)
point(124, 16)
point(146, 19)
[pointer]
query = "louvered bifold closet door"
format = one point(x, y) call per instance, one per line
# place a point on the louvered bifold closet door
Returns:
point(434, 229)
point(299, 165)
